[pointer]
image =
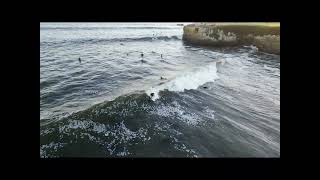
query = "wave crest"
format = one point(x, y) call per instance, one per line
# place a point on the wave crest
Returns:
point(103, 40)
point(187, 81)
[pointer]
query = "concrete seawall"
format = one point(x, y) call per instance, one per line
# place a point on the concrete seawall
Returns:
point(265, 36)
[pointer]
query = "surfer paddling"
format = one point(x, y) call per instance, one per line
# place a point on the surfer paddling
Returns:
point(142, 58)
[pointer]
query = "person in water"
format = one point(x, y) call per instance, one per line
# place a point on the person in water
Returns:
point(79, 60)
point(142, 58)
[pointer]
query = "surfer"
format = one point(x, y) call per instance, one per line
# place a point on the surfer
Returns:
point(162, 60)
point(142, 58)
point(152, 94)
point(79, 60)
point(162, 78)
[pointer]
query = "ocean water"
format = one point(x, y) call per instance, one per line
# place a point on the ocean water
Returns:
point(210, 102)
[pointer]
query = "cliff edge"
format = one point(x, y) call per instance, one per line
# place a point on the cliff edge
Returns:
point(265, 36)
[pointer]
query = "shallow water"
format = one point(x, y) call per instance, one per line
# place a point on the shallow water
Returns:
point(212, 103)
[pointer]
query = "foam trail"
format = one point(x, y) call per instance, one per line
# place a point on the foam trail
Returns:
point(187, 81)
point(252, 47)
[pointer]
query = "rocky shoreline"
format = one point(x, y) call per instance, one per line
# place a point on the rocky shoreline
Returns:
point(265, 36)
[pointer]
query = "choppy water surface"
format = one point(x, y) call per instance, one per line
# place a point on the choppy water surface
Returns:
point(210, 102)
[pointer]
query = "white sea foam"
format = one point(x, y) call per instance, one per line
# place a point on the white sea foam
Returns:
point(176, 111)
point(53, 146)
point(187, 81)
point(255, 48)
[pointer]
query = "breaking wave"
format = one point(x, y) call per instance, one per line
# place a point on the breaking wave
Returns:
point(186, 81)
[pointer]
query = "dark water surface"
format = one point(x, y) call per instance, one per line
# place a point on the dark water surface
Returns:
point(212, 102)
